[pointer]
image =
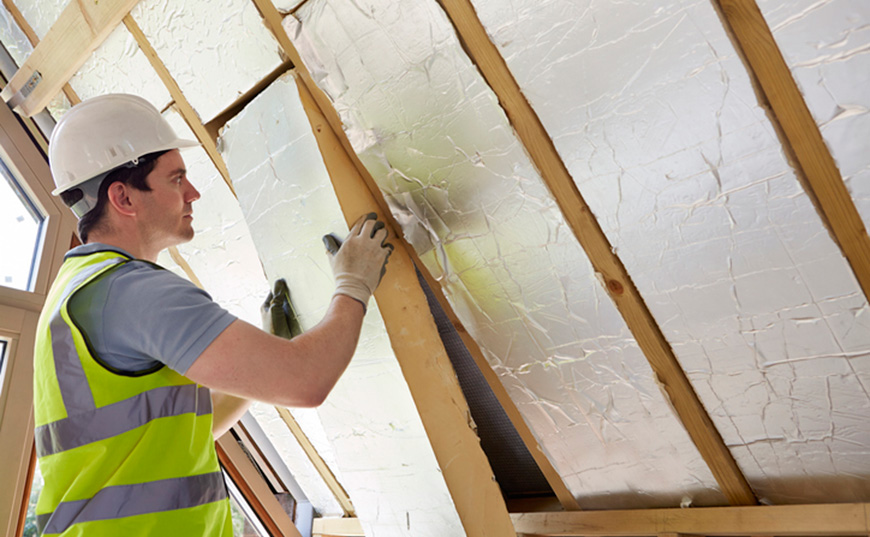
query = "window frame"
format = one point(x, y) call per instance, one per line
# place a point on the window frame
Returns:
point(19, 314)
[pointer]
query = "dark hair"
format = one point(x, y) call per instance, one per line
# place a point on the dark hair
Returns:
point(133, 176)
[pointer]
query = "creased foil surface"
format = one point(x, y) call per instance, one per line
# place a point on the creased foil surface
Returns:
point(382, 453)
point(826, 44)
point(431, 133)
point(653, 113)
point(215, 50)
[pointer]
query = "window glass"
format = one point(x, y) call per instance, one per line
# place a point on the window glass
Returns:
point(30, 520)
point(245, 521)
point(21, 225)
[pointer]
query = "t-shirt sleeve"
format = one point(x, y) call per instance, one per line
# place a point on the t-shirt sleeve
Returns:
point(152, 314)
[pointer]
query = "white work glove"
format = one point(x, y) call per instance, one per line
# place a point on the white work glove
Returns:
point(360, 262)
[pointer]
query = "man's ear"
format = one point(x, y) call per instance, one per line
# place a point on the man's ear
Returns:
point(119, 197)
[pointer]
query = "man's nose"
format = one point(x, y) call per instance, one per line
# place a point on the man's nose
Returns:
point(192, 193)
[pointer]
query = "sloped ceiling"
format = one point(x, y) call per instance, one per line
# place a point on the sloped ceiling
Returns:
point(654, 114)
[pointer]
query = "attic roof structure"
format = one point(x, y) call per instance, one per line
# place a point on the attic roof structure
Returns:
point(629, 290)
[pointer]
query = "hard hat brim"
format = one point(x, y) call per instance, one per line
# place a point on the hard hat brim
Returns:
point(176, 144)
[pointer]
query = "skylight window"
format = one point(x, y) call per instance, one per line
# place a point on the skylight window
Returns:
point(21, 225)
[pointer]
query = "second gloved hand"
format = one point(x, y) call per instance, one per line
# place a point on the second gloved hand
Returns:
point(279, 316)
point(360, 262)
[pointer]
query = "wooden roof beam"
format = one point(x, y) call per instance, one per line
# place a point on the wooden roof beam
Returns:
point(183, 105)
point(799, 132)
point(319, 464)
point(273, 21)
point(589, 234)
point(782, 520)
point(418, 348)
point(78, 31)
point(22, 23)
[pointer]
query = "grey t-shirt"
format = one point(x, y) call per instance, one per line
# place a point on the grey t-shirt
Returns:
point(139, 316)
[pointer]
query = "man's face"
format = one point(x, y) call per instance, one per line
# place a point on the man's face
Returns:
point(168, 207)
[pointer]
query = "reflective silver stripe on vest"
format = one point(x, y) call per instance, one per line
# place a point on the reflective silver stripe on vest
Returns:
point(117, 418)
point(74, 389)
point(129, 500)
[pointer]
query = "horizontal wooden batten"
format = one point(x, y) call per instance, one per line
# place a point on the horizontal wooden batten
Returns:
point(782, 520)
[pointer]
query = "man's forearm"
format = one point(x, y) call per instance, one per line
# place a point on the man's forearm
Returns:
point(227, 410)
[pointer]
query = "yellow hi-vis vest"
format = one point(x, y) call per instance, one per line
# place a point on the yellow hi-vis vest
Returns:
point(121, 454)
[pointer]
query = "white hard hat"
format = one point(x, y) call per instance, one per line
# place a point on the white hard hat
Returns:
point(103, 133)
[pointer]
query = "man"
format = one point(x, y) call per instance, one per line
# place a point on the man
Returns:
point(126, 351)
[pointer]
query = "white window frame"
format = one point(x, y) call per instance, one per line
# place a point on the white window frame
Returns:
point(19, 313)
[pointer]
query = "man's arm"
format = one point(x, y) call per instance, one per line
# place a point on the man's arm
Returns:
point(246, 362)
point(226, 411)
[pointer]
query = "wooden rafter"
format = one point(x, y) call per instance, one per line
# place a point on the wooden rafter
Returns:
point(22, 23)
point(78, 31)
point(824, 519)
point(589, 234)
point(419, 351)
point(273, 21)
point(181, 102)
point(801, 135)
point(319, 464)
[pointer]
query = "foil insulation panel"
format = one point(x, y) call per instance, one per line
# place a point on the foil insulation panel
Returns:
point(288, 448)
point(653, 113)
point(13, 38)
point(826, 44)
point(215, 51)
point(40, 14)
point(222, 252)
point(380, 447)
point(470, 202)
point(119, 66)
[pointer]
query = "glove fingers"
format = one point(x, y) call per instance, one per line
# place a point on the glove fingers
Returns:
point(357, 226)
point(279, 322)
point(332, 243)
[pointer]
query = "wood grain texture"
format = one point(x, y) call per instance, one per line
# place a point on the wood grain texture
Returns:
point(420, 353)
point(752, 36)
point(319, 464)
point(825, 519)
point(78, 31)
point(182, 104)
point(337, 527)
point(273, 20)
point(600, 252)
point(22, 23)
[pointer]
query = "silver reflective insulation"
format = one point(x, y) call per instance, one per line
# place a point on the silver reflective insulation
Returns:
point(306, 475)
point(652, 111)
point(431, 133)
point(13, 38)
point(40, 14)
point(215, 50)
point(222, 252)
point(119, 66)
point(826, 44)
point(381, 450)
